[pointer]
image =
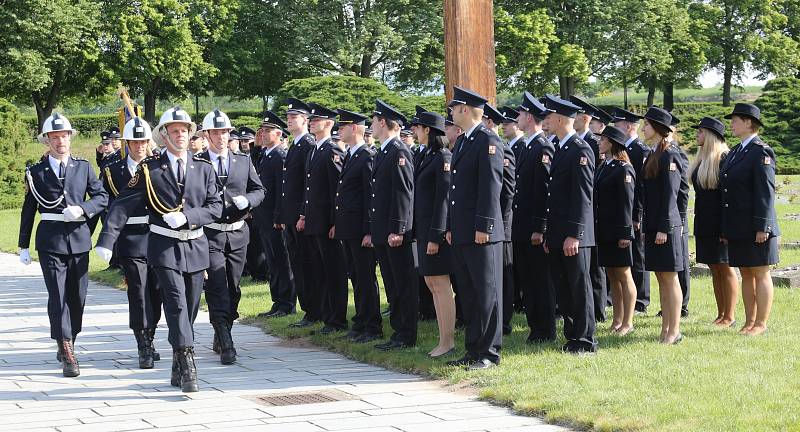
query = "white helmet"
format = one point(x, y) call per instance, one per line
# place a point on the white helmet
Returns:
point(55, 122)
point(137, 129)
point(217, 120)
point(173, 115)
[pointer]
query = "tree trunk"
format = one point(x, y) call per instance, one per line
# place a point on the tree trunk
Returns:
point(726, 83)
point(651, 91)
point(45, 105)
point(669, 96)
point(624, 93)
point(196, 105)
point(566, 86)
point(150, 106)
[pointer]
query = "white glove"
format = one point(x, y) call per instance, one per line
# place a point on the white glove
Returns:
point(241, 202)
point(103, 253)
point(175, 219)
point(72, 213)
point(25, 256)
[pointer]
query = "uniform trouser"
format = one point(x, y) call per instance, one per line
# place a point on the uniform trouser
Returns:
point(281, 279)
point(426, 308)
point(327, 257)
point(573, 286)
point(532, 274)
point(361, 261)
point(256, 263)
point(66, 279)
point(222, 288)
point(641, 277)
point(684, 276)
point(388, 283)
point(509, 287)
point(181, 295)
point(479, 270)
point(397, 269)
point(599, 292)
point(305, 281)
point(144, 299)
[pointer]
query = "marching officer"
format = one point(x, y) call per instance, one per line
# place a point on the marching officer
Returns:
point(57, 187)
point(144, 298)
point(531, 269)
point(638, 152)
point(570, 227)
point(240, 191)
point(352, 204)
point(288, 214)
point(180, 192)
point(391, 219)
point(475, 230)
point(270, 170)
point(323, 166)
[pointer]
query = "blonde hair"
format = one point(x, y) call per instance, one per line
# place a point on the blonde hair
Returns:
point(707, 161)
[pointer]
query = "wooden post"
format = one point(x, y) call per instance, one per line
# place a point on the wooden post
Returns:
point(469, 47)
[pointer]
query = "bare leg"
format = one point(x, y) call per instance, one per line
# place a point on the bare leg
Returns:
point(730, 286)
point(445, 312)
point(628, 290)
point(749, 299)
point(764, 295)
point(670, 292)
point(719, 292)
point(616, 298)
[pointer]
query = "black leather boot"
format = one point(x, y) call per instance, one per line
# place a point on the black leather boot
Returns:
point(175, 377)
point(188, 370)
point(143, 346)
point(151, 336)
point(69, 363)
point(227, 353)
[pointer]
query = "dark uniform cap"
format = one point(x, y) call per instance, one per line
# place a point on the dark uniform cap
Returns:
point(245, 133)
point(296, 106)
point(463, 96)
point(319, 111)
point(586, 107)
point(746, 110)
point(417, 111)
point(509, 114)
point(493, 114)
point(104, 136)
point(620, 114)
point(382, 109)
point(713, 125)
point(448, 121)
point(560, 106)
point(534, 106)
point(406, 131)
point(660, 116)
point(432, 120)
point(233, 135)
point(615, 134)
point(113, 132)
point(603, 117)
point(349, 117)
point(272, 120)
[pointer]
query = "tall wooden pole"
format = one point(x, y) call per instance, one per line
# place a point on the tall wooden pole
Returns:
point(469, 47)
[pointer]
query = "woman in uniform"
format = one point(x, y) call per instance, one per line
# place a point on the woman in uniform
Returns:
point(614, 182)
point(708, 216)
point(749, 224)
point(663, 227)
point(431, 184)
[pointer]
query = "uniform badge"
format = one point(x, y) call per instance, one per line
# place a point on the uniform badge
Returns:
point(401, 161)
point(584, 160)
point(134, 180)
point(672, 166)
point(506, 162)
point(546, 159)
point(767, 160)
point(628, 179)
point(492, 150)
point(446, 166)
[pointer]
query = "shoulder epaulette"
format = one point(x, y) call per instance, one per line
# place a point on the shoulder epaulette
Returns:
point(79, 159)
point(241, 153)
point(198, 158)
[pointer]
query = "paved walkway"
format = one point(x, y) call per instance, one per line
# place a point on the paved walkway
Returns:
point(112, 394)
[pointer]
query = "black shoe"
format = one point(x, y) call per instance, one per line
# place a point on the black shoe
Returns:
point(684, 313)
point(353, 335)
point(143, 347)
point(215, 343)
point(273, 314)
point(535, 340)
point(302, 323)
point(463, 361)
point(151, 337)
point(188, 370)
point(660, 314)
point(678, 339)
point(444, 354)
point(69, 364)
point(579, 349)
point(330, 329)
point(640, 309)
point(392, 344)
point(175, 375)
point(481, 365)
point(367, 337)
point(227, 352)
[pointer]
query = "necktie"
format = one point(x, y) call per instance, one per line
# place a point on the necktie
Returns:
point(180, 174)
point(346, 158)
point(61, 171)
point(222, 170)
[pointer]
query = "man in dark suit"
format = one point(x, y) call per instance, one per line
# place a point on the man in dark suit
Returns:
point(180, 191)
point(638, 152)
point(323, 166)
point(476, 231)
point(241, 191)
point(288, 214)
point(531, 268)
point(391, 219)
point(353, 199)
point(271, 236)
point(570, 227)
point(57, 187)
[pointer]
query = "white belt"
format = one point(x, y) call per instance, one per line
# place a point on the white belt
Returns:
point(183, 235)
point(138, 220)
point(59, 217)
point(226, 227)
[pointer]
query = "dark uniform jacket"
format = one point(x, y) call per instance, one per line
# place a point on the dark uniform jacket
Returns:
point(747, 180)
point(533, 179)
point(614, 186)
point(594, 143)
point(61, 237)
point(569, 197)
point(638, 153)
point(707, 207)
point(477, 182)
point(323, 167)
point(242, 180)
point(393, 192)
point(683, 191)
point(431, 185)
point(661, 194)
point(200, 202)
point(132, 240)
point(294, 178)
point(507, 193)
point(353, 195)
point(517, 146)
point(271, 173)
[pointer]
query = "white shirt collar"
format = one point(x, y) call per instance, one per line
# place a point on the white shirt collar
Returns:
point(173, 162)
point(132, 165)
point(54, 164)
point(566, 138)
point(630, 140)
point(386, 142)
point(583, 135)
point(355, 148)
point(215, 159)
point(269, 150)
point(297, 139)
point(472, 129)
point(322, 141)
point(747, 140)
point(530, 139)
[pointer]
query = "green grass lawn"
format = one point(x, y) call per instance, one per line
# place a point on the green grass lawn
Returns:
point(714, 380)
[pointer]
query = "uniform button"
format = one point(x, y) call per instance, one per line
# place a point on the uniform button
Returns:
point(283, 194)
point(224, 187)
point(337, 193)
point(227, 217)
point(284, 169)
point(373, 209)
point(308, 188)
point(337, 207)
point(454, 186)
point(548, 193)
point(452, 203)
point(373, 195)
point(551, 178)
point(284, 181)
point(306, 202)
point(726, 175)
point(184, 200)
point(725, 190)
point(726, 205)
point(373, 180)
point(515, 206)
point(309, 175)
point(340, 182)
point(548, 210)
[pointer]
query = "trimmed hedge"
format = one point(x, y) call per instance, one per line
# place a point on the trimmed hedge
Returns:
point(17, 149)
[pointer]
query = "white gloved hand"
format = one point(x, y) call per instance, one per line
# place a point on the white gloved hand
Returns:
point(175, 219)
point(25, 256)
point(72, 213)
point(103, 253)
point(241, 202)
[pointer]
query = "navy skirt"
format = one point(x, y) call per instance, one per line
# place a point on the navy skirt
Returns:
point(711, 251)
point(667, 257)
point(610, 255)
point(748, 253)
point(434, 265)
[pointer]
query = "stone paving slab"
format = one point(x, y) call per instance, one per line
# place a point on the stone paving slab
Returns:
point(112, 394)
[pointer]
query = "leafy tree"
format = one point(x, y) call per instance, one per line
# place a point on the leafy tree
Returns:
point(523, 43)
point(49, 51)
